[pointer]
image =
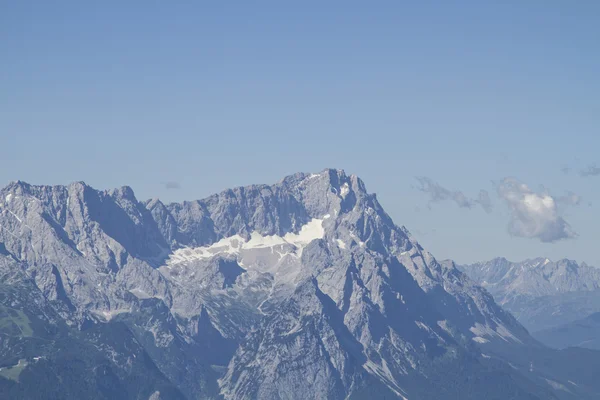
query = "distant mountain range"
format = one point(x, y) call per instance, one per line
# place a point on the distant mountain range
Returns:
point(583, 333)
point(540, 293)
point(305, 289)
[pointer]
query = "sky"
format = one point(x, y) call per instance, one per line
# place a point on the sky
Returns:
point(476, 123)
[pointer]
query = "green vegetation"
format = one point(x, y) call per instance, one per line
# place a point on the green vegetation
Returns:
point(14, 322)
point(13, 373)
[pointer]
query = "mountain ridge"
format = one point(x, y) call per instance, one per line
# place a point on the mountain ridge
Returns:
point(304, 288)
point(540, 292)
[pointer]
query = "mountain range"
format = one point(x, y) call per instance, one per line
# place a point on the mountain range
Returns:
point(305, 289)
point(540, 293)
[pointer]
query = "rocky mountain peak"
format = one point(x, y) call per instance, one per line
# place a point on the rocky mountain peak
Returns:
point(123, 192)
point(301, 289)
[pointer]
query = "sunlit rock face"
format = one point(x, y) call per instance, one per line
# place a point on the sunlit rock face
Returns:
point(304, 289)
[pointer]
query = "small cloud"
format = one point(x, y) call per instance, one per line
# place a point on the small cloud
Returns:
point(591, 170)
point(172, 185)
point(534, 215)
point(438, 193)
point(569, 199)
point(485, 201)
point(462, 200)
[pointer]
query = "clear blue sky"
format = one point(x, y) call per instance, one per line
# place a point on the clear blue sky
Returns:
point(231, 93)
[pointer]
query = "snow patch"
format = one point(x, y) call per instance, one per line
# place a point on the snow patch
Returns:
point(385, 375)
point(423, 326)
point(16, 216)
point(482, 330)
point(234, 245)
point(78, 247)
point(309, 232)
point(360, 242)
point(501, 331)
point(344, 190)
point(154, 396)
point(557, 386)
point(258, 241)
point(444, 325)
point(506, 334)
point(230, 245)
point(139, 293)
point(110, 314)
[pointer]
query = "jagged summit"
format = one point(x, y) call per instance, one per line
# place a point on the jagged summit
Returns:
point(301, 289)
point(538, 261)
point(542, 293)
point(24, 188)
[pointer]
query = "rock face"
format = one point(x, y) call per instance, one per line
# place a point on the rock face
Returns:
point(540, 293)
point(304, 289)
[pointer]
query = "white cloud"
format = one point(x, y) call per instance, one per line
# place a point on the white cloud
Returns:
point(534, 215)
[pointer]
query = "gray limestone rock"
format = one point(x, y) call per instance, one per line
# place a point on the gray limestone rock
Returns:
point(302, 289)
